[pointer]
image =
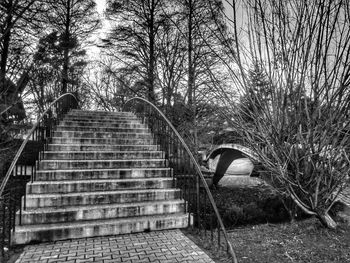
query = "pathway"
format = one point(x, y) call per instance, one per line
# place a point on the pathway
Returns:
point(157, 246)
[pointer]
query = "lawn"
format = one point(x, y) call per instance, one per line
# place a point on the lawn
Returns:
point(267, 239)
point(302, 241)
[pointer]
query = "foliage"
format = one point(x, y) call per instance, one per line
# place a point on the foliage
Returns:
point(243, 206)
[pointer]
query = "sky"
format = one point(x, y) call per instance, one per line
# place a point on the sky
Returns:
point(101, 5)
point(93, 50)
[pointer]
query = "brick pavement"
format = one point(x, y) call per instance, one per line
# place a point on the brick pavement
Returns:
point(161, 246)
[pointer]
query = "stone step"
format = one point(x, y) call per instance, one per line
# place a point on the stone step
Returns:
point(102, 155)
point(126, 173)
point(81, 229)
point(90, 118)
point(103, 129)
point(77, 140)
point(101, 147)
point(98, 121)
point(128, 124)
point(100, 164)
point(34, 201)
point(92, 134)
point(96, 212)
point(99, 113)
point(102, 174)
point(52, 187)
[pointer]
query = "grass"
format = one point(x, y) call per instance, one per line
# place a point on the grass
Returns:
point(302, 241)
point(261, 241)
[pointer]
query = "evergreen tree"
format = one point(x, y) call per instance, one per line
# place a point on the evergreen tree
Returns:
point(258, 96)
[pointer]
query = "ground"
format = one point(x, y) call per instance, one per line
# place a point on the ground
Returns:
point(303, 241)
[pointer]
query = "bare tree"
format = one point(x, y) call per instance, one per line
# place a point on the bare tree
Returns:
point(19, 23)
point(74, 20)
point(301, 133)
point(171, 59)
point(105, 86)
point(135, 36)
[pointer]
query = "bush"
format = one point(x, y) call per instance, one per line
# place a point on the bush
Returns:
point(253, 213)
point(233, 215)
point(274, 209)
point(243, 205)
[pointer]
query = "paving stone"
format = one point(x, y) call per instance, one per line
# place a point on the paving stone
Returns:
point(159, 246)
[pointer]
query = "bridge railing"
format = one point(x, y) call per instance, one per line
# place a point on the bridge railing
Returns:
point(200, 205)
point(15, 175)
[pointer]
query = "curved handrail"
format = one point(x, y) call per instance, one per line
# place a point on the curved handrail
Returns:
point(20, 150)
point(198, 169)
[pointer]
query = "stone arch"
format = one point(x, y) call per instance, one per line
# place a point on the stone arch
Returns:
point(224, 155)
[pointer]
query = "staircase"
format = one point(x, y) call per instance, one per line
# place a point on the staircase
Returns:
point(103, 174)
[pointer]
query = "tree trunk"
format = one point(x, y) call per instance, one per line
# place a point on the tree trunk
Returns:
point(327, 220)
point(150, 82)
point(190, 51)
point(5, 50)
point(66, 50)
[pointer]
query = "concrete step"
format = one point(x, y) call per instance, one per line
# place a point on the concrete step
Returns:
point(100, 164)
point(98, 121)
point(102, 174)
point(126, 173)
point(99, 113)
point(101, 147)
point(90, 118)
point(109, 211)
point(117, 124)
point(93, 134)
point(77, 140)
point(102, 155)
point(102, 129)
point(34, 201)
point(52, 187)
point(81, 229)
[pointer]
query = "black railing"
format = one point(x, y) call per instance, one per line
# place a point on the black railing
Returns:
point(200, 205)
point(23, 167)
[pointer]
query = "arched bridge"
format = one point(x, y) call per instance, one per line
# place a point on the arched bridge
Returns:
point(222, 157)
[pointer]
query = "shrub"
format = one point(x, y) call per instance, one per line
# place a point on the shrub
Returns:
point(253, 213)
point(233, 215)
point(274, 209)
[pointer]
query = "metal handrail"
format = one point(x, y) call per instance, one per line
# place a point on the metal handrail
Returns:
point(13, 185)
point(20, 150)
point(197, 167)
